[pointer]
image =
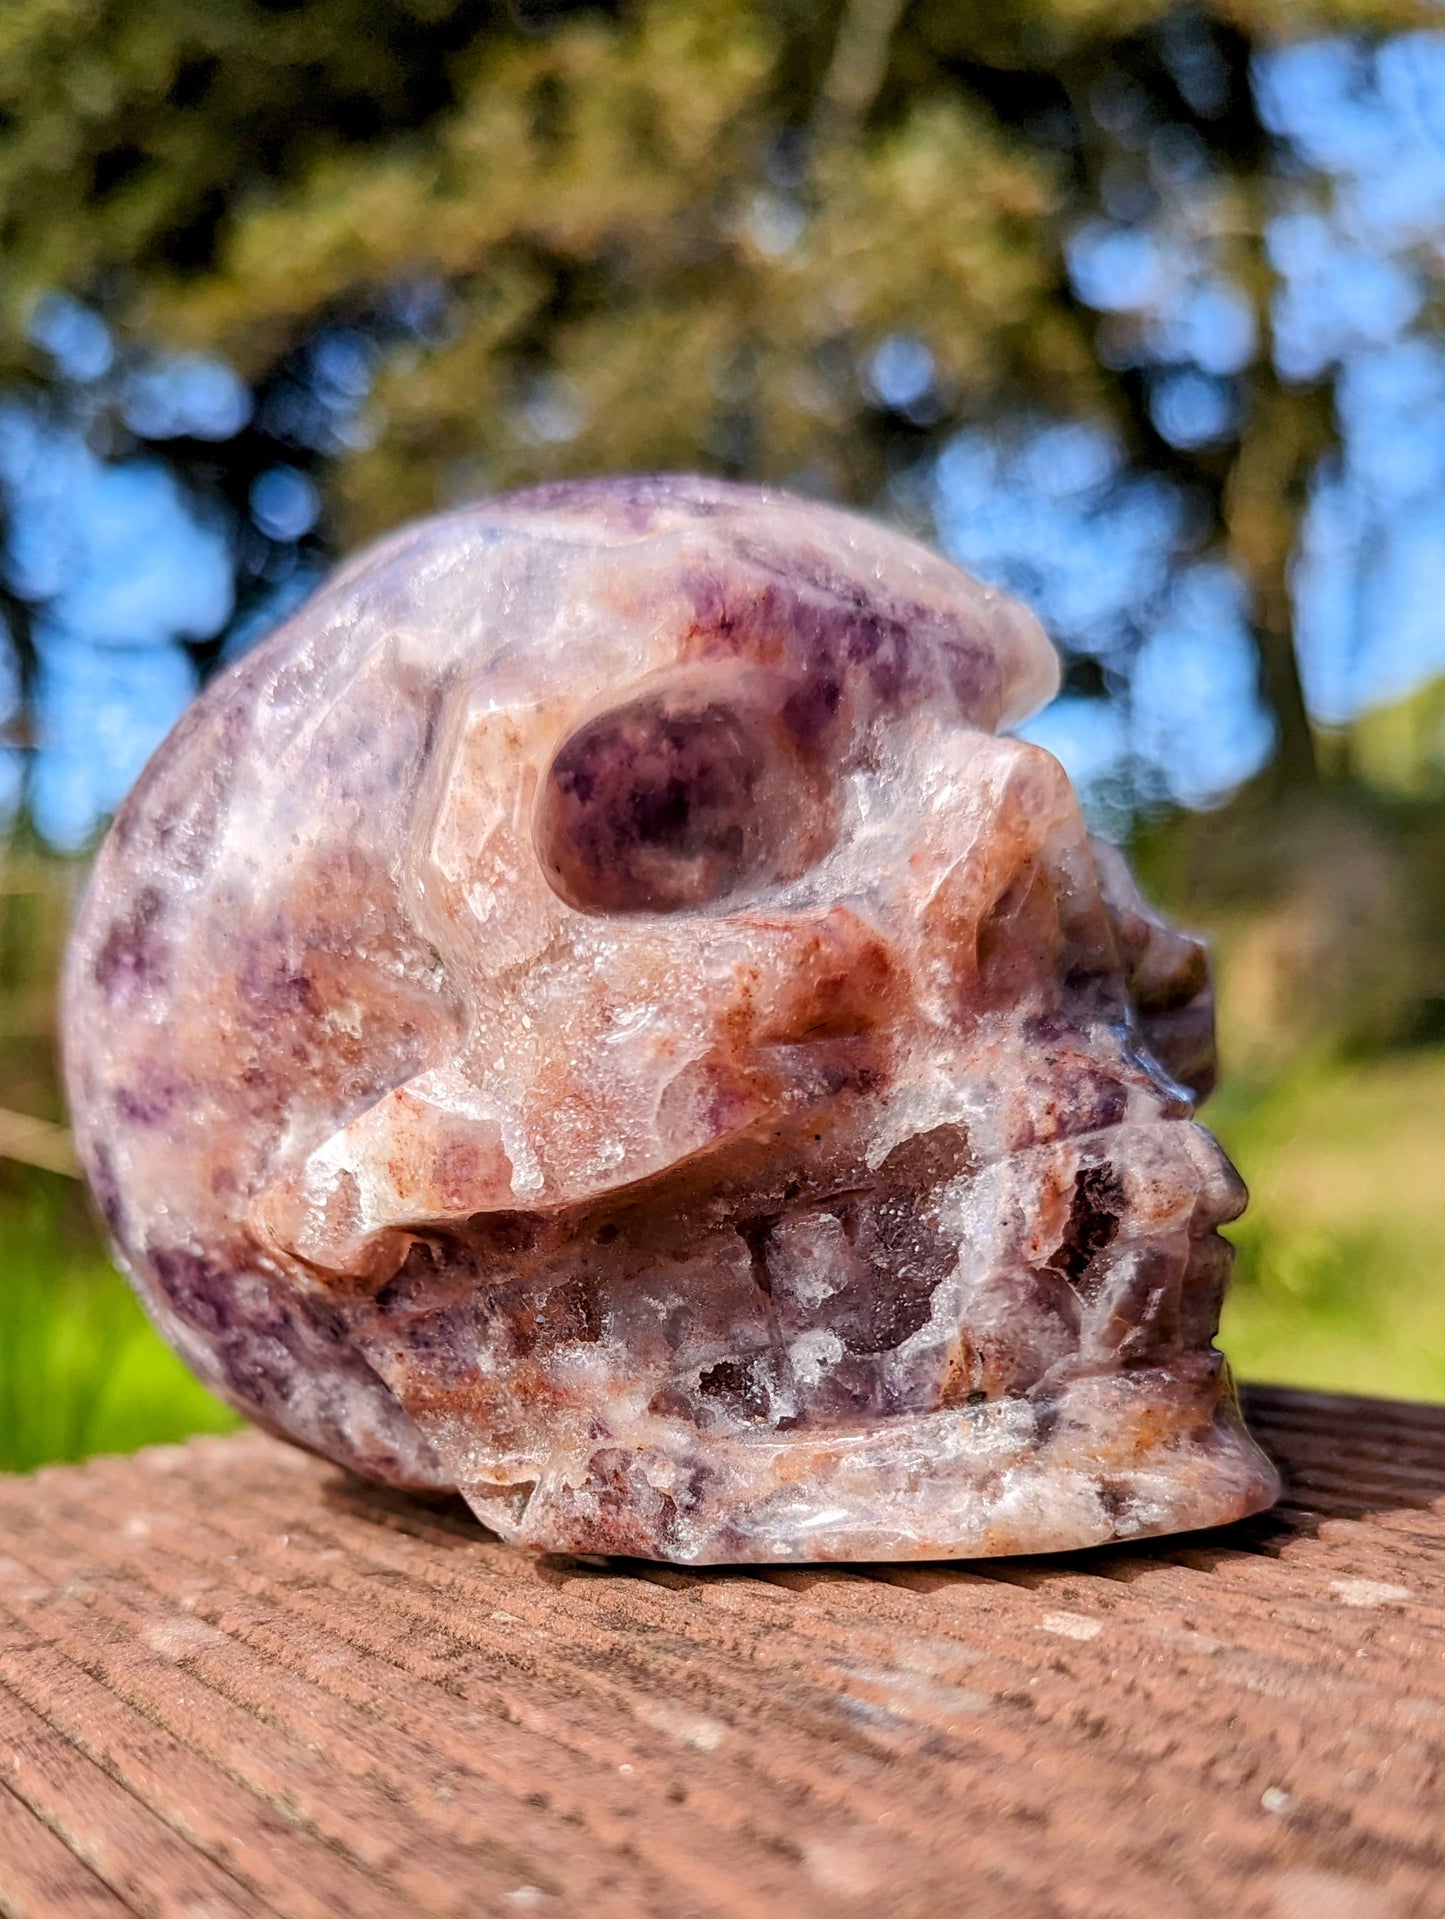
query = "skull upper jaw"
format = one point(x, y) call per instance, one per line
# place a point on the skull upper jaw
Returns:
point(671, 1373)
point(777, 1393)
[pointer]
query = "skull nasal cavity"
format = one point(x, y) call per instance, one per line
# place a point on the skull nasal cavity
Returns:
point(661, 805)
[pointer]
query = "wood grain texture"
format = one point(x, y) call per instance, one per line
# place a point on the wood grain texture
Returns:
point(235, 1682)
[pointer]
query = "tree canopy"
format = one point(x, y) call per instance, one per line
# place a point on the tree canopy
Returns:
point(454, 248)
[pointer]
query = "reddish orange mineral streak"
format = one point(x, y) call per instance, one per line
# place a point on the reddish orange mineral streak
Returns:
point(591, 1014)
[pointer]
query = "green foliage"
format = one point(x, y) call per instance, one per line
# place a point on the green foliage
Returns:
point(129, 126)
point(1338, 1283)
point(36, 894)
point(81, 1369)
point(598, 202)
point(1296, 892)
point(1400, 748)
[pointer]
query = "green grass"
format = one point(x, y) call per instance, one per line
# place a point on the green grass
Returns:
point(1339, 1283)
point(81, 1368)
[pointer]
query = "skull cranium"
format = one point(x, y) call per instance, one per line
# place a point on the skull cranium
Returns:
point(591, 1013)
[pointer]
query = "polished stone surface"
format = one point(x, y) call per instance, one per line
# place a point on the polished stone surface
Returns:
point(591, 1013)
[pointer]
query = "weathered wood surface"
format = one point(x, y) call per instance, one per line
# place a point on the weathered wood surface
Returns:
point(233, 1682)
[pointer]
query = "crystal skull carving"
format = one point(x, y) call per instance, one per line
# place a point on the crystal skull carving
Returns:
point(592, 1014)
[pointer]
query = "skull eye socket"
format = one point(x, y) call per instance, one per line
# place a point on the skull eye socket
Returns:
point(667, 803)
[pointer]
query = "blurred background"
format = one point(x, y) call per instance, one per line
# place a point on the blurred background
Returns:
point(1134, 308)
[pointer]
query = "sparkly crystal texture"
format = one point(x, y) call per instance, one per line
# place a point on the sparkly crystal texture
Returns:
point(591, 1013)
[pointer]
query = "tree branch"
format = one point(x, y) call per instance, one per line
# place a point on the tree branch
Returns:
point(857, 68)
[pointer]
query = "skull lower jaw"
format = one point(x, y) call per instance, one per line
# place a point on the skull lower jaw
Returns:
point(1106, 1456)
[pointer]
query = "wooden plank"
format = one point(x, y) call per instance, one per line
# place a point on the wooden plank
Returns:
point(40, 1876)
point(86, 1689)
point(323, 1698)
point(151, 1867)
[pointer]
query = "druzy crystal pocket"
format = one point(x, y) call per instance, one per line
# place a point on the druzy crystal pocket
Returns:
point(592, 1014)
